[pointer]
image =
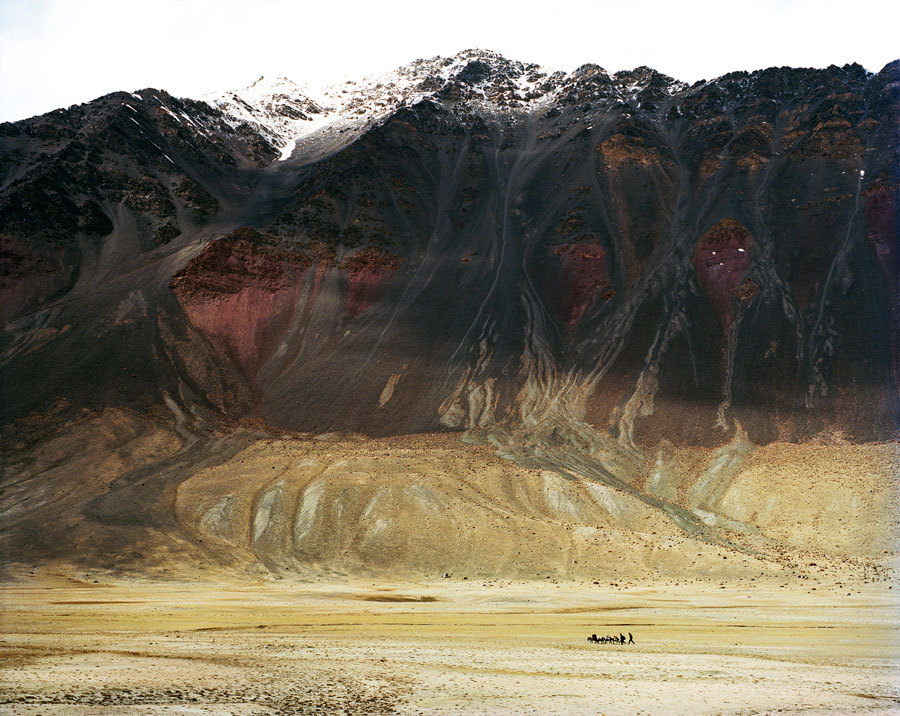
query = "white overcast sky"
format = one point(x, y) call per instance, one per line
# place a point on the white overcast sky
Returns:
point(54, 53)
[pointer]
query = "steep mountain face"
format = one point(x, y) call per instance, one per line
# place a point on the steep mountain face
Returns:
point(575, 267)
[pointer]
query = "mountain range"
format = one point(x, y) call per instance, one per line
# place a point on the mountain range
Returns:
point(469, 243)
point(591, 273)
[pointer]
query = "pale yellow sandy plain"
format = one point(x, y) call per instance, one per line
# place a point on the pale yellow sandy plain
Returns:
point(446, 647)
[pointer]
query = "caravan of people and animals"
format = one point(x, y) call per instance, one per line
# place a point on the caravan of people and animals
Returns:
point(620, 639)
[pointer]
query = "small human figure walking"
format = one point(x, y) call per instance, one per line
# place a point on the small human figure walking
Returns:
point(630, 638)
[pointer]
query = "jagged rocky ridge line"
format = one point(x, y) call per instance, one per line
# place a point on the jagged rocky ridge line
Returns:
point(576, 267)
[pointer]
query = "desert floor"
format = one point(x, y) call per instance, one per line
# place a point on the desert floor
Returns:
point(447, 647)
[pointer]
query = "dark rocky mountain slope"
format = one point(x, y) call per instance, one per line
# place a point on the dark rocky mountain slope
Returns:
point(576, 267)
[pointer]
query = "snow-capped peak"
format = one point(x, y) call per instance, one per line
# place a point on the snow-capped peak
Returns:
point(277, 109)
point(283, 112)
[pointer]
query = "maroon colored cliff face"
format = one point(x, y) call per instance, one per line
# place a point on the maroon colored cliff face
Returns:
point(881, 224)
point(720, 258)
point(881, 231)
point(241, 293)
point(370, 271)
point(585, 280)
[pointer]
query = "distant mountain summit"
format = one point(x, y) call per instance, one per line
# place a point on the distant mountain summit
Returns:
point(276, 109)
point(283, 112)
point(580, 268)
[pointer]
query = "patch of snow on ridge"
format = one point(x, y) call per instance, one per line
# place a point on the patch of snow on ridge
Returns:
point(171, 113)
point(287, 150)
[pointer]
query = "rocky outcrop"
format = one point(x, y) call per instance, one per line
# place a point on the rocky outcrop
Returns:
point(721, 259)
point(240, 291)
point(584, 280)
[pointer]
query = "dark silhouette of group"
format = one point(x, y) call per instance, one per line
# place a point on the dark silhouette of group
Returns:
point(620, 639)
